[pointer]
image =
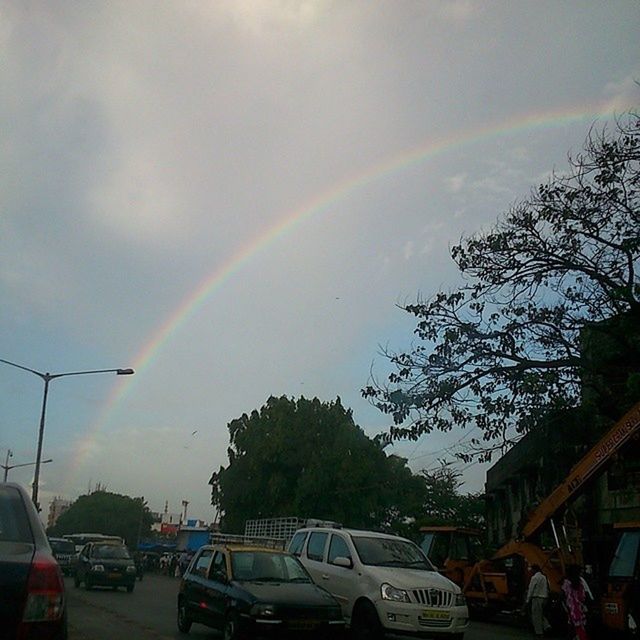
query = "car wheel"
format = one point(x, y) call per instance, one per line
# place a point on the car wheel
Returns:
point(231, 627)
point(130, 588)
point(184, 622)
point(366, 624)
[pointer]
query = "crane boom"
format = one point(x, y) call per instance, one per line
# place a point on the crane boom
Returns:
point(621, 432)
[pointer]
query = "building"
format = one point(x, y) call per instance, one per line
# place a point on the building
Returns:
point(534, 467)
point(192, 536)
point(56, 508)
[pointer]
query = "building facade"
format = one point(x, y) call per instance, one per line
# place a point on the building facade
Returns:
point(56, 508)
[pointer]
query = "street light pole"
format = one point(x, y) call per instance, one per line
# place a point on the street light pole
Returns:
point(8, 466)
point(47, 378)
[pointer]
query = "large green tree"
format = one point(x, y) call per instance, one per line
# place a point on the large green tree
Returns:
point(107, 513)
point(548, 315)
point(445, 504)
point(308, 458)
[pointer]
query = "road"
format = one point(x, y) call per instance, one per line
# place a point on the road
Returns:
point(149, 614)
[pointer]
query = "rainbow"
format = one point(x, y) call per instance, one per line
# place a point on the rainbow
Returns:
point(318, 204)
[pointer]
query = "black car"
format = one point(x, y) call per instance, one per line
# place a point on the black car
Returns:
point(247, 591)
point(32, 596)
point(64, 551)
point(105, 564)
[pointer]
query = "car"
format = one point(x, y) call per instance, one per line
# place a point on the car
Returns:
point(385, 584)
point(33, 603)
point(253, 591)
point(105, 564)
point(64, 551)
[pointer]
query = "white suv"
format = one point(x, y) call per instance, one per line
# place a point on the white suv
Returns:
point(383, 583)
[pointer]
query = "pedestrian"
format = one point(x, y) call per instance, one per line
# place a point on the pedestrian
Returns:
point(183, 562)
point(164, 561)
point(537, 596)
point(576, 593)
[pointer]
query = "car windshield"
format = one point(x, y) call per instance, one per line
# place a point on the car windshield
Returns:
point(627, 554)
point(388, 552)
point(110, 551)
point(62, 546)
point(265, 566)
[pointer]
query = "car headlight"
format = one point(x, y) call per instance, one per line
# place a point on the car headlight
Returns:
point(131, 568)
point(459, 600)
point(389, 592)
point(267, 610)
point(97, 567)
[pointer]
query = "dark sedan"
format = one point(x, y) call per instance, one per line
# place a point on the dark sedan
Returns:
point(64, 551)
point(32, 597)
point(105, 564)
point(252, 591)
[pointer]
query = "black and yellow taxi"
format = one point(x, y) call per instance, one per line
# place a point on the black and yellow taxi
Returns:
point(105, 564)
point(253, 592)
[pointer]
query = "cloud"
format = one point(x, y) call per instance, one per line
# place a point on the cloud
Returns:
point(624, 94)
point(455, 183)
point(409, 250)
point(457, 10)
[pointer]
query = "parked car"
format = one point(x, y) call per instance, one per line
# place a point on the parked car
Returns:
point(254, 591)
point(384, 583)
point(32, 596)
point(105, 564)
point(64, 551)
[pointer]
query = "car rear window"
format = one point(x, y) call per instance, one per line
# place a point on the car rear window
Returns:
point(62, 546)
point(14, 521)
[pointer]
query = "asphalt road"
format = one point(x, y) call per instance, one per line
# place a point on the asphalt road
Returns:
point(149, 614)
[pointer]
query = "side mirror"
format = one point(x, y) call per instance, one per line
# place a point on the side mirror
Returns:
point(341, 561)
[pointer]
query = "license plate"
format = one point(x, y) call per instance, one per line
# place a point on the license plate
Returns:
point(114, 576)
point(434, 614)
point(303, 625)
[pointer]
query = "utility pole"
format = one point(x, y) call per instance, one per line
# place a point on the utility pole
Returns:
point(6, 464)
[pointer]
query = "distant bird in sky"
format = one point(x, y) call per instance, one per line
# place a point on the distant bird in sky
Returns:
point(193, 433)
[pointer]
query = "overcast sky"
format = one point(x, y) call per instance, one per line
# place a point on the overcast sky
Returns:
point(233, 196)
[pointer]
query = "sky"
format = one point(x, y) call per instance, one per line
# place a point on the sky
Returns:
point(234, 198)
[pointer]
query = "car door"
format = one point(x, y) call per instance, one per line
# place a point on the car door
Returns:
point(195, 583)
point(339, 580)
point(313, 556)
point(217, 588)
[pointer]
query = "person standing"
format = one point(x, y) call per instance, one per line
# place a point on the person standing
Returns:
point(576, 592)
point(537, 596)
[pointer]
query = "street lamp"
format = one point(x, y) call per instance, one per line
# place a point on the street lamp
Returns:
point(6, 466)
point(48, 377)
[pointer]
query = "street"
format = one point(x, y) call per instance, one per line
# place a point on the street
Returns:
point(149, 614)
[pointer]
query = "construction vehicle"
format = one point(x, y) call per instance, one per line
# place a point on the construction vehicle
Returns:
point(453, 550)
point(620, 602)
point(500, 582)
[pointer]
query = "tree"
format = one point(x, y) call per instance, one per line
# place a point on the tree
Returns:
point(446, 505)
point(307, 458)
point(559, 272)
point(107, 513)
